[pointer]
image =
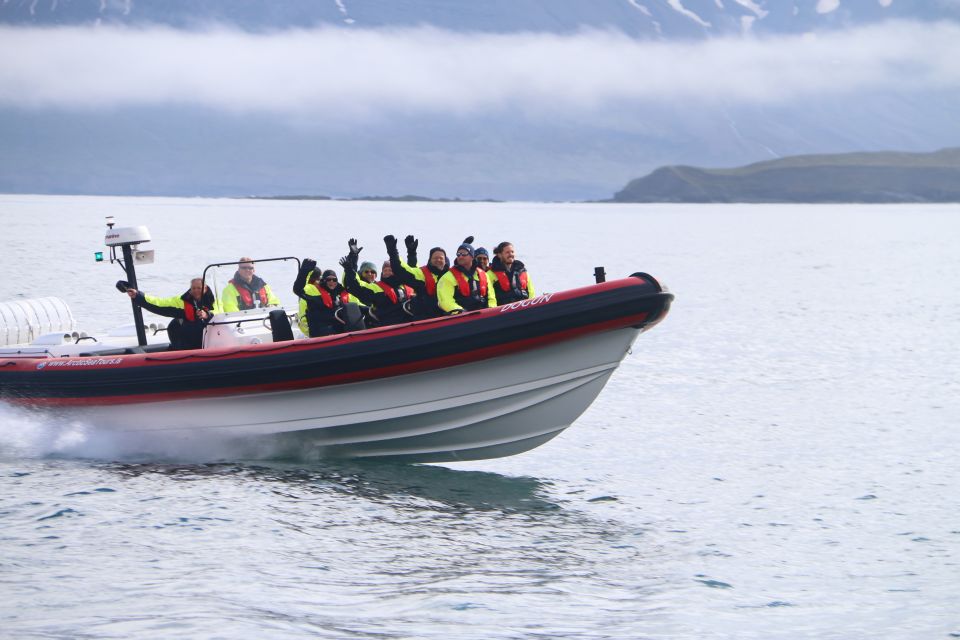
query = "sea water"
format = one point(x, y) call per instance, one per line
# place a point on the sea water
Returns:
point(777, 459)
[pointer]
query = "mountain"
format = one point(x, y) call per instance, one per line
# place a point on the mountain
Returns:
point(539, 136)
point(638, 18)
point(850, 177)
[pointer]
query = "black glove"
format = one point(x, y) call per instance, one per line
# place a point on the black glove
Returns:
point(349, 262)
point(308, 265)
point(468, 240)
point(412, 244)
point(391, 243)
point(354, 249)
point(122, 286)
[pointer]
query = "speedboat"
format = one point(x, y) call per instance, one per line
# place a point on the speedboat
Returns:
point(482, 384)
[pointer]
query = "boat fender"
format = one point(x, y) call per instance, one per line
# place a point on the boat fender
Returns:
point(280, 326)
point(646, 277)
point(351, 316)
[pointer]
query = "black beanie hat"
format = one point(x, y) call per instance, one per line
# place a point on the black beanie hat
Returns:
point(468, 248)
point(328, 273)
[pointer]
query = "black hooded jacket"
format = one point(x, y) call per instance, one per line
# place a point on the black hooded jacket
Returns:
point(424, 305)
point(321, 317)
point(384, 308)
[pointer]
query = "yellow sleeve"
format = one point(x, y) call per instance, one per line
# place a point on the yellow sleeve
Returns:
point(366, 285)
point(416, 272)
point(530, 289)
point(228, 299)
point(175, 302)
point(491, 293)
point(302, 317)
point(271, 298)
point(445, 288)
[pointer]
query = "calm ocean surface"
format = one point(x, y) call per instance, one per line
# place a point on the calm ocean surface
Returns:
point(777, 459)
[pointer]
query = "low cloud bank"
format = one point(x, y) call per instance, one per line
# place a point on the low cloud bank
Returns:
point(345, 74)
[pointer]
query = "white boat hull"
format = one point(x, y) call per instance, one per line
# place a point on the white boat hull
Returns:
point(491, 408)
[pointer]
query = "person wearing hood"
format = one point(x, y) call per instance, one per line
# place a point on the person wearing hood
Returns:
point(509, 276)
point(465, 287)
point(423, 280)
point(322, 298)
point(247, 290)
point(386, 296)
point(190, 312)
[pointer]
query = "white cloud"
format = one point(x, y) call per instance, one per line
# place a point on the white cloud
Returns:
point(339, 74)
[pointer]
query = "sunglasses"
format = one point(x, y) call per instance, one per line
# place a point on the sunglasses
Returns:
point(246, 268)
point(370, 271)
point(460, 255)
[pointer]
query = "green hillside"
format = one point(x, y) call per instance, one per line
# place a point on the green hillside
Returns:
point(848, 177)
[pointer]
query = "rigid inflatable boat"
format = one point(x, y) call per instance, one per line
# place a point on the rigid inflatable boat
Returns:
point(482, 384)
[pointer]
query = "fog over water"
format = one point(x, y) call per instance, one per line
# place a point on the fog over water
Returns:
point(777, 459)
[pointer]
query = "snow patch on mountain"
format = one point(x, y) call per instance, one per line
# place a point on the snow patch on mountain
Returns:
point(342, 8)
point(642, 8)
point(677, 6)
point(827, 6)
point(750, 5)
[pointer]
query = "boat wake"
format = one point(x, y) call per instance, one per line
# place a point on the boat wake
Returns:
point(27, 433)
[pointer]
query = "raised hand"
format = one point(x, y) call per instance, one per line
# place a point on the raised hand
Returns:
point(354, 249)
point(390, 242)
point(411, 242)
point(468, 240)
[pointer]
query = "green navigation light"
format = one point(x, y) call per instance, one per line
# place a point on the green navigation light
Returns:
point(98, 256)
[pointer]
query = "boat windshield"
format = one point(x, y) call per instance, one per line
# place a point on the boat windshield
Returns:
point(259, 282)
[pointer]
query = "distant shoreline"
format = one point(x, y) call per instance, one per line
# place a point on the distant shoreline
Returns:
point(865, 178)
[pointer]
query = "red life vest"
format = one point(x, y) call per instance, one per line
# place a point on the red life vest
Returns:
point(247, 297)
point(392, 294)
point(464, 285)
point(429, 282)
point(505, 281)
point(328, 299)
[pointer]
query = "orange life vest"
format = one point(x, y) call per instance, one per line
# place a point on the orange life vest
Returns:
point(328, 299)
point(392, 294)
point(429, 281)
point(464, 285)
point(246, 296)
point(504, 281)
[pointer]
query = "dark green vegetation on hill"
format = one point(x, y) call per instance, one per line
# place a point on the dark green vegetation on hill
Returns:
point(847, 177)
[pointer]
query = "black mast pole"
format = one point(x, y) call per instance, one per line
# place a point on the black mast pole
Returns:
point(132, 279)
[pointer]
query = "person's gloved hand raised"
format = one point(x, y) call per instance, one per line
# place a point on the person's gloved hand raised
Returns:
point(308, 265)
point(347, 263)
point(468, 240)
point(411, 242)
point(354, 249)
point(391, 243)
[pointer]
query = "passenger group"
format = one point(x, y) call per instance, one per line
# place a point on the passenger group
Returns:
point(404, 292)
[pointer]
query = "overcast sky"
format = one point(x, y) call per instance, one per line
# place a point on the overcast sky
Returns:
point(341, 74)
